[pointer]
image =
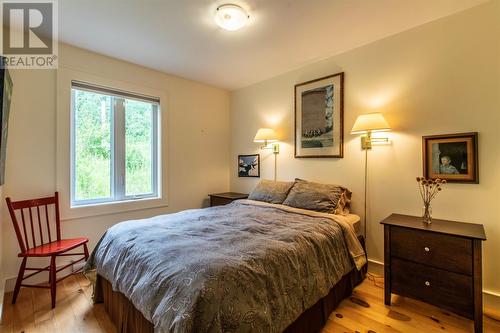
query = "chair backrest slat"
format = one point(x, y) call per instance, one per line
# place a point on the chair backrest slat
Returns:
point(39, 223)
point(29, 229)
point(58, 219)
point(32, 228)
point(24, 229)
point(48, 223)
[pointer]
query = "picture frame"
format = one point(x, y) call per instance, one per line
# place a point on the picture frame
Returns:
point(249, 165)
point(453, 157)
point(6, 87)
point(319, 117)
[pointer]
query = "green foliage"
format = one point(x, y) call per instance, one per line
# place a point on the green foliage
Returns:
point(93, 128)
point(93, 145)
point(138, 141)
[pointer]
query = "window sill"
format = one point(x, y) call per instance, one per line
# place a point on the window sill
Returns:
point(114, 202)
point(69, 212)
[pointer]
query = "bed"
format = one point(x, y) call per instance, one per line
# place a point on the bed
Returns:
point(245, 267)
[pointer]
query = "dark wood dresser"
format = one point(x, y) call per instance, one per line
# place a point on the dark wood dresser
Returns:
point(220, 199)
point(438, 263)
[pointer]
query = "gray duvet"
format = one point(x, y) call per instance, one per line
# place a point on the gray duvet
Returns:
point(244, 267)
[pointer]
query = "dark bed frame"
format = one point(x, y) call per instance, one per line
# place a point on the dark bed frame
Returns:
point(128, 319)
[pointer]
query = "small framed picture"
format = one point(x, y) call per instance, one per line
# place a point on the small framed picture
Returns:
point(249, 165)
point(453, 157)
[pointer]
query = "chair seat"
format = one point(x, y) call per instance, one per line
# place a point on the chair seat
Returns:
point(54, 248)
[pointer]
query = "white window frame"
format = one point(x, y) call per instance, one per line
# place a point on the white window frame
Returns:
point(117, 172)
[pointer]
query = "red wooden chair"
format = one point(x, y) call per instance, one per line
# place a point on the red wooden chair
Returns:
point(36, 239)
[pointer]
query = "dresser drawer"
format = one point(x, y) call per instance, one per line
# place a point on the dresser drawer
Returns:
point(451, 291)
point(434, 249)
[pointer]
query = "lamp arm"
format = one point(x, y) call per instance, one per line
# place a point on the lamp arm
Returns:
point(275, 147)
point(379, 139)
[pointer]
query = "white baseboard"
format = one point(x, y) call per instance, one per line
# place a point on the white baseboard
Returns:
point(376, 267)
point(491, 299)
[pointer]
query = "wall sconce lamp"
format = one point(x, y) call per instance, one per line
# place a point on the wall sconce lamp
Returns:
point(368, 123)
point(267, 136)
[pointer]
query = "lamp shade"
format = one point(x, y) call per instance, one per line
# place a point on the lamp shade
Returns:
point(265, 135)
point(374, 122)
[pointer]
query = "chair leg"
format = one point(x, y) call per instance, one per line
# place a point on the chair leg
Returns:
point(19, 280)
point(53, 280)
point(86, 251)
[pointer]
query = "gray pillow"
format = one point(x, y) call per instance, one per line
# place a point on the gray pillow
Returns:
point(271, 191)
point(333, 199)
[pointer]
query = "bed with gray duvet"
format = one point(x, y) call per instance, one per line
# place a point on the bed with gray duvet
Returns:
point(249, 266)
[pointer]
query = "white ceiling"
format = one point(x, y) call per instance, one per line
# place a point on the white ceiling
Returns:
point(181, 38)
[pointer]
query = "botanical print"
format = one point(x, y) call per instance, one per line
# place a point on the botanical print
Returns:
point(317, 117)
point(452, 157)
point(249, 165)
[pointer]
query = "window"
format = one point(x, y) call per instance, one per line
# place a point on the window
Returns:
point(114, 145)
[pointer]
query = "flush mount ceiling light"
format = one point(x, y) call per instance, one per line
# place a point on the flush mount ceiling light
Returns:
point(231, 17)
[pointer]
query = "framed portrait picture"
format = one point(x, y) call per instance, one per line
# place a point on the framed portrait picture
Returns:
point(249, 165)
point(319, 118)
point(453, 157)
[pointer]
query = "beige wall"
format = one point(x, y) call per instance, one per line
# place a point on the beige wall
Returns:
point(196, 140)
point(442, 77)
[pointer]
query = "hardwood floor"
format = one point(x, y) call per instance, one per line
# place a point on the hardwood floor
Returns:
point(363, 312)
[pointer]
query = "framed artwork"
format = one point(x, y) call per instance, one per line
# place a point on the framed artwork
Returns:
point(5, 96)
point(249, 165)
point(453, 157)
point(319, 117)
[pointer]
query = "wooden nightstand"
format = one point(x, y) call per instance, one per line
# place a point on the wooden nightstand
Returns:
point(220, 199)
point(438, 263)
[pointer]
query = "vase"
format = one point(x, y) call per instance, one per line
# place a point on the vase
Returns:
point(427, 213)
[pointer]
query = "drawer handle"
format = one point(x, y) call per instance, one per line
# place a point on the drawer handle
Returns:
point(427, 283)
point(427, 249)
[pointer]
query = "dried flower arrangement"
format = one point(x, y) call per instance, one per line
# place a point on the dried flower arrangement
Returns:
point(428, 189)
